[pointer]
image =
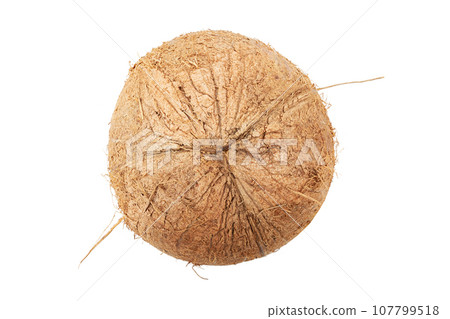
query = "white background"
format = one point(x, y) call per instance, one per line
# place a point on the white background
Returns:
point(383, 228)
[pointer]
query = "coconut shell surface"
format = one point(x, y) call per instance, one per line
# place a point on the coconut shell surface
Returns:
point(219, 210)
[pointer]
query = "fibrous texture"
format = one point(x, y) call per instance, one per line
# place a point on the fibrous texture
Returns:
point(253, 195)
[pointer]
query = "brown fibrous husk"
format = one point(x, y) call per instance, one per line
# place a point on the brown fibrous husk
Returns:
point(218, 84)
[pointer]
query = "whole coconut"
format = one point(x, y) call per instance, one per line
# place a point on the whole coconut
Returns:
point(233, 198)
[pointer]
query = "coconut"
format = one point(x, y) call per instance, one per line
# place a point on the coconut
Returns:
point(220, 150)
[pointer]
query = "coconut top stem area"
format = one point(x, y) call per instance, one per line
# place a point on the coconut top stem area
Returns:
point(220, 150)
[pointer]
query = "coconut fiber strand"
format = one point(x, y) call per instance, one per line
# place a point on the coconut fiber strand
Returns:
point(220, 85)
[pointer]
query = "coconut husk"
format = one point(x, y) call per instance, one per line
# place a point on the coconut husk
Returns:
point(220, 85)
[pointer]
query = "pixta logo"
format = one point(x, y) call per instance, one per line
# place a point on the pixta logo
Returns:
point(145, 150)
